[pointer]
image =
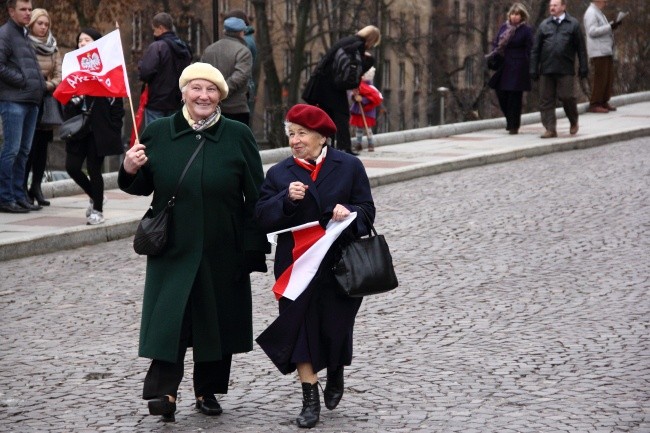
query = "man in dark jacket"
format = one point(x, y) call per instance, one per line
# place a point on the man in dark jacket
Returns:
point(21, 92)
point(557, 42)
point(161, 67)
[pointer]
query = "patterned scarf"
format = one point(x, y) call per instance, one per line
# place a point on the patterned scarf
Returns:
point(200, 125)
point(313, 167)
point(45, 46)
point(505, 38)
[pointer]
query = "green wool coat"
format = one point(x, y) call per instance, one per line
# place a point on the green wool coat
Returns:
point(212, 227)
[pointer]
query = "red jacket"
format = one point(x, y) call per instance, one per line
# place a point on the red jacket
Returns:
point(371, 99)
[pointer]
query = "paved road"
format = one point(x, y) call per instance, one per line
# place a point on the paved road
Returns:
point(523, 307)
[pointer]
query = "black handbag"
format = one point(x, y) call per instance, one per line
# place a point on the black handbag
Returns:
point(76, 127)
point(495, 62)
point(153, 230)
point(51, 113)
point(366, 266)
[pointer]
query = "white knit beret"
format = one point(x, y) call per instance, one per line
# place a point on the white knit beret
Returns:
point(204, 71)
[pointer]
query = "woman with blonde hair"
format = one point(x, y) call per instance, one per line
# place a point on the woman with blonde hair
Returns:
point(47, 54)
point(511, 55)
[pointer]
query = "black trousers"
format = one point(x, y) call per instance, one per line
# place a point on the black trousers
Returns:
point(38, 157)
point(93, 184)
point(511, 103)
point(164, 378)
point(342, 121)
point(244, 118)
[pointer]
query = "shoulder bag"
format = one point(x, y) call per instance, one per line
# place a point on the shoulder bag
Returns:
point(366, 266)
point(152, 233)
point(51, 113)
point(77, 127)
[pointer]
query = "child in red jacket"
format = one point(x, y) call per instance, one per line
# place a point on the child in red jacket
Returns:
point(370, 98)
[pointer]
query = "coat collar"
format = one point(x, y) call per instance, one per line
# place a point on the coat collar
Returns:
point(331, 164)
point(181, 128)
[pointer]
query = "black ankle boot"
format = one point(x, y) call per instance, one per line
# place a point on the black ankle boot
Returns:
point(310, 406)
point(333, 388)
point(35, 192)
point(164, 407)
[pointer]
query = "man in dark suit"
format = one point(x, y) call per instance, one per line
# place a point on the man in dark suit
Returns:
point(558, 41)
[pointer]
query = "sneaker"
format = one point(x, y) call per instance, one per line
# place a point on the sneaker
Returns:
point(95, 218)
point(89, 209)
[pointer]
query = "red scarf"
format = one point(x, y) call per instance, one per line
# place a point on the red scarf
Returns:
point(313, 169)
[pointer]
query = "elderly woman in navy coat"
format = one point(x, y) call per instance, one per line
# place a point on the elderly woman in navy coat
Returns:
point(317, 183)
point(512, 44)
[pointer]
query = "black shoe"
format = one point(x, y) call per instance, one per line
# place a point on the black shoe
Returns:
point(162, 406)
point(310, 413)
point(35, 193)
point(12, 208)
point(27, 205)
point(351, 152)
point(333, 388)
point(209, 406)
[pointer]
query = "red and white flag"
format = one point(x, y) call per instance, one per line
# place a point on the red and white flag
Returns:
point(311, 243)
point(97, 69)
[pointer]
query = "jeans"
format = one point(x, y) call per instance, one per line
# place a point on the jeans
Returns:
point(151, 115)
point(18, 126)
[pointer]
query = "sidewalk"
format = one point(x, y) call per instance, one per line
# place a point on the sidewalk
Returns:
point(398, 156)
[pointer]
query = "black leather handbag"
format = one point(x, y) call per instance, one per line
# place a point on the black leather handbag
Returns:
point(152, 233)
point(77, 127)
point(366, 266)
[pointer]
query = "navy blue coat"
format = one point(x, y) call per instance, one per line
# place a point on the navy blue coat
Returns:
point(515, 75)
point(318, 324)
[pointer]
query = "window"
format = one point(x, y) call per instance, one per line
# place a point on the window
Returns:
point(470, 16)
point(417, 76)
point(416, 27)
point(288, 56)
point(416, 110)
point(388, 22)
point(136, 23)
point(402, 75)
point(403, 33)
point(289, 12)
point(386, 74)
point(307, 72)
point(457, 13)
point(469, 72)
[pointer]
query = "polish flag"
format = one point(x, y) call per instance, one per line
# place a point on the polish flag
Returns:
point(311, 243)
point(97, 69)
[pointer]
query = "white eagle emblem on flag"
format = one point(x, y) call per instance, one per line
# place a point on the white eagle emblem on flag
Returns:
point(90, 61)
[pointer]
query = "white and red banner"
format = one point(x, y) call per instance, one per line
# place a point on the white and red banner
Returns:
point(97, 69)
point(311, 243)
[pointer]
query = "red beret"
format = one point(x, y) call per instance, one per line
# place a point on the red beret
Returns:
point(312, 117)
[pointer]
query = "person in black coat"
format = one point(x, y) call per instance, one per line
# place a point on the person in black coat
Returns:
point(318, 183)
point(321, 90)
point(105, 138)
point(512, 46)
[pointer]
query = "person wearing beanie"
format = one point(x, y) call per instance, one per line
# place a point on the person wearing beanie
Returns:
point(232, 57)
point(197, 292)
point(322, 90)
point(317, 183)
point(363, 109)
point(104, 139)
point(252, 46)
point(49, 60)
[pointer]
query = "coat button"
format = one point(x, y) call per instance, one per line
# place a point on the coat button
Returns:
point(198, 136)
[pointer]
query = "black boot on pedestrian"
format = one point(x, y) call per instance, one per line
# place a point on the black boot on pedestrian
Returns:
point(310, 413)
point(333, 388)
point(36, 193)
point(164, 407)
point(208, 405)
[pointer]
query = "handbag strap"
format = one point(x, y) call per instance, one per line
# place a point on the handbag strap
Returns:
point(172, 200)
point(372, 227)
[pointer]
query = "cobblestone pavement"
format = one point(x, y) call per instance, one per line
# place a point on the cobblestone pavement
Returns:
point(523, 307)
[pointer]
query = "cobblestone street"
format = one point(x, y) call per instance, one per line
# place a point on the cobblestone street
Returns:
point(523, 307)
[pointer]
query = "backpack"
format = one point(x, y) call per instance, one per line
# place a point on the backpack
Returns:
point(347, 68)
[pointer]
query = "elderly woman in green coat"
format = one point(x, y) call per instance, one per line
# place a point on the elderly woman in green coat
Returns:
point(197, 293)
